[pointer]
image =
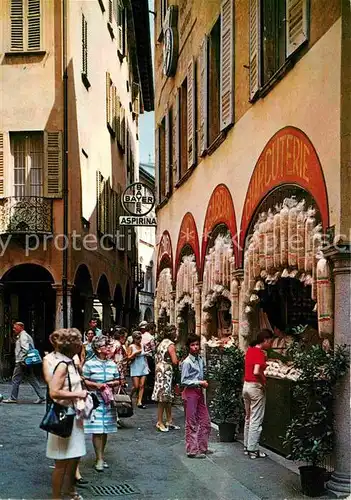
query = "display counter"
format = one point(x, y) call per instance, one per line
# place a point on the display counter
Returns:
point(280, 409)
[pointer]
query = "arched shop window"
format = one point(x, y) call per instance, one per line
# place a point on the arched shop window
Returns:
point(282, 250)
point(187, 278)
point(216, 297)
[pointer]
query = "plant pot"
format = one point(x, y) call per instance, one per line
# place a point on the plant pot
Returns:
point(312, 480)
point(227, 433)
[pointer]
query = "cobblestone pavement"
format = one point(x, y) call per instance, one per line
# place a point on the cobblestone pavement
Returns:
point(144, 464)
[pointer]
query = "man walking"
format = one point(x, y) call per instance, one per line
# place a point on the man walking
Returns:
point(93, 326)
point(24, 342)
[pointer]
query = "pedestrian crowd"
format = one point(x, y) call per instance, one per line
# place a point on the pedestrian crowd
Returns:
point(87, 387)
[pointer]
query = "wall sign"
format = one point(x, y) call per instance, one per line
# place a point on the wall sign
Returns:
point(138, 200)
point(170, 42)
point(288, 158)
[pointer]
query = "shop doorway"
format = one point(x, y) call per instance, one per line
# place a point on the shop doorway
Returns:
point(186, 323)
point(29, 298)
point(82, 299)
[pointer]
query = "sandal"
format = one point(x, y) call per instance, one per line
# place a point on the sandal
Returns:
point(173, 427)
point(257, 454)
point(245, 451)
point(161, 429)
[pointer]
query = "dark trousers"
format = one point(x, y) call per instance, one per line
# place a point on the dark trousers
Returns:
point(20, 372)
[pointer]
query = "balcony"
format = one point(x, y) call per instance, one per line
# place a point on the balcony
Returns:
point(26, 215)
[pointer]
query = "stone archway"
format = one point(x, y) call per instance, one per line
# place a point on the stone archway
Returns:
point(102, 302)
point(82, 298)
point(118, 303)
point(26, 294)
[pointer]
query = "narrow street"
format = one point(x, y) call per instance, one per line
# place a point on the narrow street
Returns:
point(151, 465)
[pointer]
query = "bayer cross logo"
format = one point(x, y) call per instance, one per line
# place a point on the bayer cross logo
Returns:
point(138, 200)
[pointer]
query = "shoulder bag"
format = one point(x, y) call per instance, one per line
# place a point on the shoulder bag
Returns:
point(123, 403)
point(32, 357)
point(59, 419)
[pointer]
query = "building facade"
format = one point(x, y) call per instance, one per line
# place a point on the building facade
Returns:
point(252, 154)
point(74, 78)
point(146, 251)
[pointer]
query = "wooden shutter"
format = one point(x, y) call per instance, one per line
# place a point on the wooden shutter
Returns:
point(136, 98)
point(191, 128)
point(178, 152)
point(255, 47)
point(119, 20)
point(114, 109)
point(168, 126)
point(110, 10)
point(53, 164)
point(157, 166)
point(34, 25)
point(17, 27)
point(84, 45)
point(117, 118)
point(296, 25)
point(226, 114)
point(108, 98)
point(204, 96)
point(4, 150)
point(123, 128)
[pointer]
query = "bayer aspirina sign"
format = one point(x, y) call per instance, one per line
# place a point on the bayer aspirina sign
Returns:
point(138, 200)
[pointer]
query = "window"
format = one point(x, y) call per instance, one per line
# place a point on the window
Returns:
point(169, 152)
point(183, 157)
point(216, 79)
point(113, 109)
point(121, 19)
point(85, 52)
point(162, 154)
point(25, 20)
point(214, 63)
point(28, 164)
point(278, 28)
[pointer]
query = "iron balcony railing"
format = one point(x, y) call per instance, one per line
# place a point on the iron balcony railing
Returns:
point(26, 215)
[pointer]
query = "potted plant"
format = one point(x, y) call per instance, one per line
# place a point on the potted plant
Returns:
point(310, 434)
point(226, 407)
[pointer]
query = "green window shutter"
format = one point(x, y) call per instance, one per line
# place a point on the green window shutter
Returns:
point(17, 27)
point(296, 24)
point(53, 164)
point(34, 22)
point(255, 47)
point(204, 96)
point(227, 64)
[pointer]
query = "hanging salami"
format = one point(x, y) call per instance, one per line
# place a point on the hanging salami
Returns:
point(309, 226)
point(316, 246)
point(262, 241)
point(234, 292)
point(324, 299)
point(284, 223)
point(276, 238)
point(269, 241)
point(292, 234)
point(301, 240)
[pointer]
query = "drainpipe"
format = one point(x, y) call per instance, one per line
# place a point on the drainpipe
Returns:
point(65, 167)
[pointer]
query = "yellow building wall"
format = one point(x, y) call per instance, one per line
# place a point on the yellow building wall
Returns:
point(308, 97)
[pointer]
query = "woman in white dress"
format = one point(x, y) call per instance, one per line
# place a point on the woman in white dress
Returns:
point(66, 451)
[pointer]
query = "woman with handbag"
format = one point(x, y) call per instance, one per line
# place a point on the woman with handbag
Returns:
point(101, 375)
point(66, 390)
point(166, 357)
point(49, 363)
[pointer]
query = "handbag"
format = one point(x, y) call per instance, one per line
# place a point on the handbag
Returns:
point(59, 419)
point(123, 403)
point(32, 357)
